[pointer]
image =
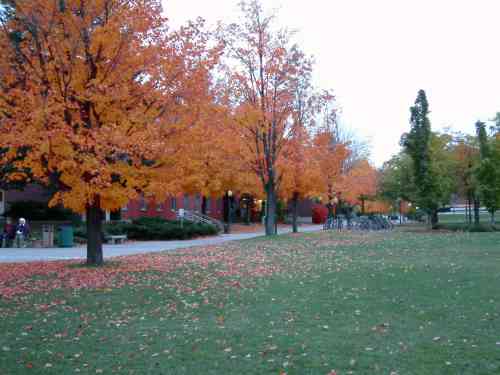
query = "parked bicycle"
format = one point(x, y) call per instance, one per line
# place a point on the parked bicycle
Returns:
point(362, 223)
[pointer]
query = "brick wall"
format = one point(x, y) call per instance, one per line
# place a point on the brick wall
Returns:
point(167, 209)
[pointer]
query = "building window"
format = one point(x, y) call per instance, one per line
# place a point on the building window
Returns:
point(186, 202)
point(208, 204)
point(173, 203)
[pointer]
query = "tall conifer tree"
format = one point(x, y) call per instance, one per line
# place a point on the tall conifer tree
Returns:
point(417, 144)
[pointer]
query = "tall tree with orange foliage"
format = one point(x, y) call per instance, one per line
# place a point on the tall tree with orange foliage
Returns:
point(301, 177)
point(360, 183)
point(93, 90)
point(210, 157)
point(329, 153)
point(264, 71)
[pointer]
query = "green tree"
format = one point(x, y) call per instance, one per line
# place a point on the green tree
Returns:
point(466, 157)
point(431, 175)
point(396, 182)
point(488, 171)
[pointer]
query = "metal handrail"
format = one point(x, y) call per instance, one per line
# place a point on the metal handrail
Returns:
point(196, 217)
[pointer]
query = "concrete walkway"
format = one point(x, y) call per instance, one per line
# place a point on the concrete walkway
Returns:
point(36, 254)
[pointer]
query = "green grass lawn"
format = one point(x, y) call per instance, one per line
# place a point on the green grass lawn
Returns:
point(398, 303)
point(449, 218)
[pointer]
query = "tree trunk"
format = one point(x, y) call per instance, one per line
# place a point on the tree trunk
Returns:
point(94, 234)
point(295, 208)
point(270, 210)
point(204, 205)
point(466, 213)
point(434, 219)
point(225, 206)
point(329, 205)
point(362, 206)
point(247, 216)
point(476, 210)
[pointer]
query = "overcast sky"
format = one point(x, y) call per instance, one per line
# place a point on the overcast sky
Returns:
point(376, 55)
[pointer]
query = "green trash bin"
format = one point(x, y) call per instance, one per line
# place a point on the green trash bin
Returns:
point(65, 236)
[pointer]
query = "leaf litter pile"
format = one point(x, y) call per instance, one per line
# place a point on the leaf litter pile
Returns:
point(214, 262)
point(325, 303)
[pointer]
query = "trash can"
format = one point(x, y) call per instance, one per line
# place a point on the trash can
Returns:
point(47, 235)
point(65, 236)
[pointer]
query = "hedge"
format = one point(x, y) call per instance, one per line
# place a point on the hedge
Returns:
point(319, 214)
point(149, 229)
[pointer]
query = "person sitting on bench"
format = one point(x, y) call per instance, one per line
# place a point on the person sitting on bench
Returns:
point(22, 233)
point(9, 233)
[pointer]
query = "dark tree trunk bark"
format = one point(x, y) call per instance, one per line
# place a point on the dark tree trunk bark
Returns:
point(270, 210)
point(466, 213)
point(204, 205)
point(362, 206)
point(329, 205)
point(247, 214)
point(476, 210)
point(225, 209)
point(434, 219)
point(94, 234)
point(295, 208)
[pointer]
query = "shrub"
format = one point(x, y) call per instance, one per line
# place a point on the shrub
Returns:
point(417, 215)
point(319, 214)
point(154, 229)
point(281, 211)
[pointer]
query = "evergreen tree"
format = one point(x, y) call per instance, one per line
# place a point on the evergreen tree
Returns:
point(428, 172)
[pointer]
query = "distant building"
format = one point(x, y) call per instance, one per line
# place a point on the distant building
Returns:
point(215, 207)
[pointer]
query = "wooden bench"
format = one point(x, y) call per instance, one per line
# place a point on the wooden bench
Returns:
point(117, 239)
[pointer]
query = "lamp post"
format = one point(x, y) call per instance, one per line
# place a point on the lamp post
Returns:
point(227, 227)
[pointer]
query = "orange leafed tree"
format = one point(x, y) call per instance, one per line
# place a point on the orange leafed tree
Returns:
point(360, 183)
point(380, 207)
point(330, 153)
point(93, 90)
point(301, 176)
point(264, 71)
point(210, 156)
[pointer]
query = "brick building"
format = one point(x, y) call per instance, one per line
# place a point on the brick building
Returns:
point(213, 207)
